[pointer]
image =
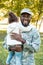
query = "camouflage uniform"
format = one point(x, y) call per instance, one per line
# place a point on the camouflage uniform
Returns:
point(31, 46)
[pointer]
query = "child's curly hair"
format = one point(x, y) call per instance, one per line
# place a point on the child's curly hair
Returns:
point(12, 17)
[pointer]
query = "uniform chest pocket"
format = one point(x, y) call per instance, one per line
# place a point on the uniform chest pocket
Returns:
point(27, 36)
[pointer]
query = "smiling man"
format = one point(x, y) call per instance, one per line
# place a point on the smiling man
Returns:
point(30, 35)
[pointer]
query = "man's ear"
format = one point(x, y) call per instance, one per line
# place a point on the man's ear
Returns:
point(30, 17)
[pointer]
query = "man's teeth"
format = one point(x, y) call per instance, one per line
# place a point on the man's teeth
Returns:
point(25, 21)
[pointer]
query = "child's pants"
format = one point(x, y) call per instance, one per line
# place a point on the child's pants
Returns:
point(18, 57)
point(10, 55)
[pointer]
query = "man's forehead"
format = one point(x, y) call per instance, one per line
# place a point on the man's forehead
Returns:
point(25, 14)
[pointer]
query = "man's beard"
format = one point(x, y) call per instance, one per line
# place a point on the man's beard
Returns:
point(25, 25)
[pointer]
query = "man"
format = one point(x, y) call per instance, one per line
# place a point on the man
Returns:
point(30, 38)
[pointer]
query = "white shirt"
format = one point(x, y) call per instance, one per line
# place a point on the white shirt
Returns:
point(12, 28)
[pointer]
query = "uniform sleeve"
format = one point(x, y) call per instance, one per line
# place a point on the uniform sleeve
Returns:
point(35, 45)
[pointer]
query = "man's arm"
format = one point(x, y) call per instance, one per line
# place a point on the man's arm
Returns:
point(35, 45)
point(17, 37)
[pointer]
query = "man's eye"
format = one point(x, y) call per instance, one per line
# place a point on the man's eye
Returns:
point(23, 16)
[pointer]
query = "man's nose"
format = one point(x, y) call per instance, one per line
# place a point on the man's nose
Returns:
point(25, 18)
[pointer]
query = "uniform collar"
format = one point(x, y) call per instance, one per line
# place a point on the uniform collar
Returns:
point(28, 28)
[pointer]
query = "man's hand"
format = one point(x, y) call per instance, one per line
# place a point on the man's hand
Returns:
point(17, 37)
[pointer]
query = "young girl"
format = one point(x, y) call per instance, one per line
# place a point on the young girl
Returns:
point(13, 28)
